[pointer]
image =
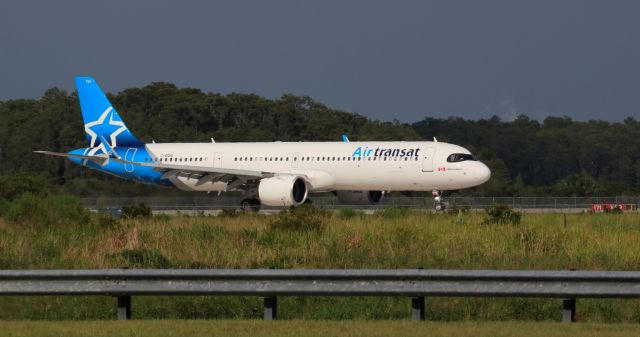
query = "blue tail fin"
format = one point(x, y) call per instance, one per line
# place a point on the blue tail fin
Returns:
point(101, 121)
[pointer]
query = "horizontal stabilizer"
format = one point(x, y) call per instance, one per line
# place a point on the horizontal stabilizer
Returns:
point(98, 159)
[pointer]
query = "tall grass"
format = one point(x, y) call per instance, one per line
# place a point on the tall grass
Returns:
point(464, 240)
point(388, 240)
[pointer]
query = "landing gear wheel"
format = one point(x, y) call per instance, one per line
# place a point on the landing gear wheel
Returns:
point(438, 201)
point(250, 205)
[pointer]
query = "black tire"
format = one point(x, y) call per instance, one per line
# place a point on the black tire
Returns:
point(250, 205)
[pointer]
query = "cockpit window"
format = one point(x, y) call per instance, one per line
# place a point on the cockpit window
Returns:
point(458, 157)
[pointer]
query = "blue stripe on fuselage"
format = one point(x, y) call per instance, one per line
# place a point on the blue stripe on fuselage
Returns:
point(144, 174)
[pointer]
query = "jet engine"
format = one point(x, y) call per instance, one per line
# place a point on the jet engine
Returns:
point(359, 197)
point(285, 190)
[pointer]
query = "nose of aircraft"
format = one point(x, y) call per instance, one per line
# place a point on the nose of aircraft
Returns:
point(483, 173)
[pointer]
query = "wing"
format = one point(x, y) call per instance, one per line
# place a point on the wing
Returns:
point(235, 178)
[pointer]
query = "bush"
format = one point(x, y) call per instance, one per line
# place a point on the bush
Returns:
point(305, 217)
point(139, 210)
point(502, 214)
point(45, 211)
point(105, 220)
point(11, 186)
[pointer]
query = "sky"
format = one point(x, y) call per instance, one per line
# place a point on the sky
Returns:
point(387, 60)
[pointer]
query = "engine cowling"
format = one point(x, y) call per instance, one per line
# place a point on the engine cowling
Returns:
point(282, 190)
point(360, 197)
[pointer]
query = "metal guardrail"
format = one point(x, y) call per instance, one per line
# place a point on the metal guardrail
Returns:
point(270, 283)
point(202, 203)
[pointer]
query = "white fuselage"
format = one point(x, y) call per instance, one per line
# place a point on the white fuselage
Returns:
point(330, 166)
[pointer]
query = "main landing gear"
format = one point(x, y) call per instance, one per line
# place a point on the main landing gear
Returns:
point(250, 205)
point(438, 201)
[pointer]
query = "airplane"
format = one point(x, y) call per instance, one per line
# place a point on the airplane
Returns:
point(271, 173)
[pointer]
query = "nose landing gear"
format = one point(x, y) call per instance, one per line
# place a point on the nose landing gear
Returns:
point(438, 201)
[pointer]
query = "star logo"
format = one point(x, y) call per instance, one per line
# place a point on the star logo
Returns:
point(106, 127)
point(95, 151)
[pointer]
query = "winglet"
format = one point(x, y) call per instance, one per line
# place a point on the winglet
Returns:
point(345, 139)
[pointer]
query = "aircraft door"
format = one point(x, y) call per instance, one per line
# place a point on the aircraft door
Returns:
point(217, 160)
point(427, 158)
point(129, 156)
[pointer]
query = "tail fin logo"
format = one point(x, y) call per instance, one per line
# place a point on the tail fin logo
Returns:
point(107, 127)
point(102, 123)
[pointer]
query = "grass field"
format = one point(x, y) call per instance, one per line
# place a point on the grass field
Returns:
point(390, 239)
point(310, 328)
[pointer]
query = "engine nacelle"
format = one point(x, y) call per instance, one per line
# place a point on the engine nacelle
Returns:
point(285, 190)
point(360, 197)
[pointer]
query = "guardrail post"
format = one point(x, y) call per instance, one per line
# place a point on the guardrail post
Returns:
point(417, 308)
point(124, 307)
point(270, 308)
point(569, 310)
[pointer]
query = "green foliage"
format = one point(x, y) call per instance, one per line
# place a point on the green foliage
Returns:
point(502, 214)
point(393, 212)
point(138, 210)
point(46, 211)
point(305, 217)
point(346, 213)
point(578, 185)
point(105, 220)
point(162, 217)
point(149, 258)
point(229, 213)
point(12, 185)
